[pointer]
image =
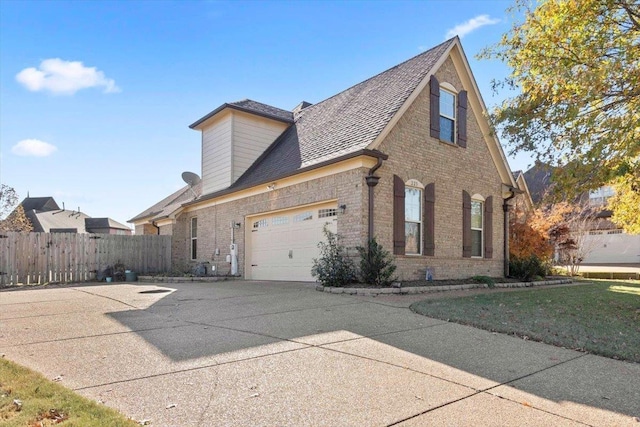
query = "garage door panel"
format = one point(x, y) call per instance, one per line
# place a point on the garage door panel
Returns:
point(284, 244)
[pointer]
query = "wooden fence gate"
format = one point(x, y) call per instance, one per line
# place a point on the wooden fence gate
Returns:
point(37, 258)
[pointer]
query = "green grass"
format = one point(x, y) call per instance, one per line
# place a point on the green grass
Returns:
point(600, 317)
point(42, 398)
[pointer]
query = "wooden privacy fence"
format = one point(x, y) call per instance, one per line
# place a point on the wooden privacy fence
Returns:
point(32, 258)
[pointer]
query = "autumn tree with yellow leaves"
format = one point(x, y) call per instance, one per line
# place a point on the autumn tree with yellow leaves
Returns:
point(576, 64)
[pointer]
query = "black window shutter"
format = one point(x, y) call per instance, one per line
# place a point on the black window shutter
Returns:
point(488, 227)
point(429, 221)
point(466, 224)
point(434, 107)
point(398, 216)
point(462, 118)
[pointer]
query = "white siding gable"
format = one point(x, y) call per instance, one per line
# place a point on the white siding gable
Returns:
point(216, 154)
point(231, 143)
point(251, 136)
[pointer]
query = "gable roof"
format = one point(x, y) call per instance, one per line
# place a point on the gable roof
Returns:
point(344, 123)
point(351, 123)
point(57, 220)
point(40, 204)
point(250, 106)
point(521, 182)
point(538, 179)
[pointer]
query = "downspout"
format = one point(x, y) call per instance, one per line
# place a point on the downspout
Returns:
point(505, 208)
point(372, 181)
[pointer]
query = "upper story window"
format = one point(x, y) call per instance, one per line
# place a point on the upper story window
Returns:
point(600, 196)
point(448, 113)
point(447, 116)
point(194, 238)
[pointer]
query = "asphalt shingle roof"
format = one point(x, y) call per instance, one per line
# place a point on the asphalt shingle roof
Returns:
point(39, 204)
point(170, 203)
point(253, 107)
point(345, 123)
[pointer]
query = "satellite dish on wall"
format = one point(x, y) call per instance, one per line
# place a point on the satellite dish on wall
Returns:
point(190, 178)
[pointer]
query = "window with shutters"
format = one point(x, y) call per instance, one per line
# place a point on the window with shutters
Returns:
point(412, 220)
point(477, 228)
point(448, 113)
point(194, 238)
point(447, 116)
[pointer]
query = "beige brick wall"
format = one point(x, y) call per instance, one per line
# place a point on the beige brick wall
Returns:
point(145, 229)
point(214, 223)
point(413, 154)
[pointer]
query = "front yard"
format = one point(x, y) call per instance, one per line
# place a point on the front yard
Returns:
point(29, 399)
point(600, 317)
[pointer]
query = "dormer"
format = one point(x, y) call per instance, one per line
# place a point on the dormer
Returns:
point(234, 135)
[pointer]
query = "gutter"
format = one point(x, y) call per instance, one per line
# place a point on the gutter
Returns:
point(505, 208)
point(372, 181)
point(231, 190)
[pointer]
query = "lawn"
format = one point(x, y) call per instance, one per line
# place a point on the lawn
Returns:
point(600, 317)
point(29, 399)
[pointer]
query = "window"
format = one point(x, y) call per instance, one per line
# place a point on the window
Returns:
point(447, 116)
point(412, 220)
point(448, 112)
point(261, 223)
point(477, 222)
point(280, 220)
point(325, 213)
point(305, 216)
point(194, 238)
point(600, 196)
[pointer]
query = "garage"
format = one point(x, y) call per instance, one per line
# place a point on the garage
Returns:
point(283, 244)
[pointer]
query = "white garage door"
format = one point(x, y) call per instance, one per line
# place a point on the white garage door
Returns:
point(284, 244)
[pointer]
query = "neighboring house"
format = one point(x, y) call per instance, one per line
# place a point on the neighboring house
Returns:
point(407, 156)
point(605, 242)
point(523, 201)
point(46, 216)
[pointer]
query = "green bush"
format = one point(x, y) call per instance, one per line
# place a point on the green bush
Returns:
point(334, 267)
point(484, 279)
point(528, 268)
point(376, 264)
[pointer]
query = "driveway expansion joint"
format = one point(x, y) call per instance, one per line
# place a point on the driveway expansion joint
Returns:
point(487, 391)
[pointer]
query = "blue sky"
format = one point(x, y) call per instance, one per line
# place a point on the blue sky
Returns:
point(96, 96)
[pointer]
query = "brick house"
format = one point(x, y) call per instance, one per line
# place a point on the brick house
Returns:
point(407, 156)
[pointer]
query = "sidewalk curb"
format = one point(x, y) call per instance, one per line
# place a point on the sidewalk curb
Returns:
point(430, 289)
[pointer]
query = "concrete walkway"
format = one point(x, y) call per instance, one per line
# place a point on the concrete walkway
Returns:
point(266, 354)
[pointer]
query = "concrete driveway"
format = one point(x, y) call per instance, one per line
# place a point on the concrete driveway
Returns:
point(266, 354)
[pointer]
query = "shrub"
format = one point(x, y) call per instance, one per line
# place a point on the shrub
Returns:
point(376, 264)
point(484, 279)
point(334, 267)
point(527, 268)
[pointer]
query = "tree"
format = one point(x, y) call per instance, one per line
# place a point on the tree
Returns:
point(576, 65)
point(12, 218)
point(529, 235)
point(626, 200)
point(569, 232)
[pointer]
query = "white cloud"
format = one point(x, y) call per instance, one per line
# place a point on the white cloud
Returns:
point(471, 25)
point(33, 147)
point(64, 77)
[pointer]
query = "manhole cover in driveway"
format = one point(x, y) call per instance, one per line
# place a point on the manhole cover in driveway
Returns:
point(155, 291)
